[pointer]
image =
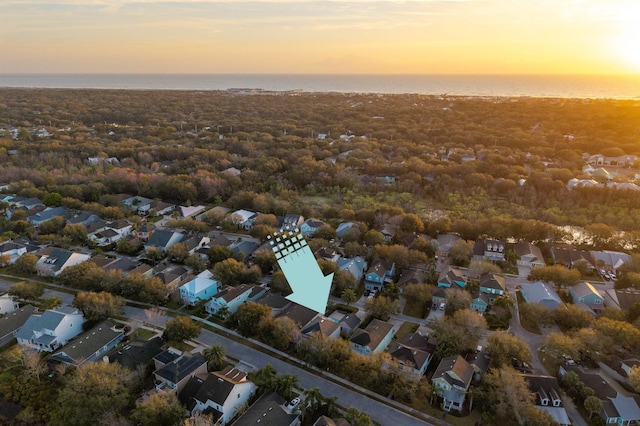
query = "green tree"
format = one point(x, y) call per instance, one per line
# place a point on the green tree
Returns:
point(510, 393)
point(557, 274)
point(348, 296)
point(26, 264)
point(279, 284)
point(76, 233)
point(285, 331)
point(634, 378)
point(160, 409)
point(218, 254)
point(381, 307)
point(27, 290)
point(91, 391)
point(182, 328)
point(216, 357)
point(252, 319)
point(503, 347)
point(52, 199)
point(265, 259)
point(53, 226)
point(50, 303)
point(229, 271)
point(178, 252)
point(356, 417)
point(572, 318)
point(593, 404)
point(98, 306)
point(461, 252)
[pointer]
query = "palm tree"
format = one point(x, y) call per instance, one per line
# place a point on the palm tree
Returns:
point(349, 296)
point(284, 385)
point(215, 357)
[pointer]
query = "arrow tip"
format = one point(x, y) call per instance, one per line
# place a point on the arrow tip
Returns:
point(314, 295)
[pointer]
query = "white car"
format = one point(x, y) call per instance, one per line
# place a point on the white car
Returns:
point(294, 402)
point(613, 276)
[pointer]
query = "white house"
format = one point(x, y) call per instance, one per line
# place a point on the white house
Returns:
point(243, 218)
point(8, 304)
point(13, 250)
point(51, 329)
point(57, 260)
point(199, 288)
point(226, 392)
point(232, 297)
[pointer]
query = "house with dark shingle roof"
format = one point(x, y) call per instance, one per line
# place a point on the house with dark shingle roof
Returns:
point(451, 381)
point(176, 372)
point(48, 214)
point(91, 345)
point(349, 323)
point(493, 285)
point(13, 250)
point(276, 301)
point(144, 231)
point(373, 339)
point(224, 392)
point(413, 353)
point(452, 278)
point(268, 410)
point(547, 397)
point(301, 315)
point(310, 226)
point(492, 250)
point(11, 322)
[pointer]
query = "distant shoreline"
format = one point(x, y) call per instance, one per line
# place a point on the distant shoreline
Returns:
point(535, 86)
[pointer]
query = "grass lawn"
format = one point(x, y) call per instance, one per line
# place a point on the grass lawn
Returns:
point(182, 346)
point(550, 362)
point(413, 309)
point(143, 333)
point(406, 328)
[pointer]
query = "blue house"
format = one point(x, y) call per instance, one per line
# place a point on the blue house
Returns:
point(479, 302)
point(199, 288)
point(452, 277)
point(355, 266)
point(48, 214)
point(585, 293)
point(232, 297)
point(380, 272)
point(493, 285)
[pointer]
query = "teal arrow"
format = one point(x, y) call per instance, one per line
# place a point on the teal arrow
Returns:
point(309, 285)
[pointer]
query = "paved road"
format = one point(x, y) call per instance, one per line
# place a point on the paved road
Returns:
point(380, 412)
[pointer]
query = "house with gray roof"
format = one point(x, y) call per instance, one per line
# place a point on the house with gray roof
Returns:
point(349, 323)
point(542, 294)
point(244, 247)
point(301, 315)
point(11, 323)
point(162, 239)
point(586, 293)
point(276, 301)
point(91, 345)
point(323, 325)
point(52, 262)
point(291, 221)
point(232, 297)
point(48, 214)
point(356, 266)
point(51, 329)
point(445, 243)
point(13, 250)
point(373, 339)
point(530, 255)
point(310, 226)
point(84, 218)
point(268, 410)
point(493, 285)
point(144, 231)
point(451, 381)
point(177, 371)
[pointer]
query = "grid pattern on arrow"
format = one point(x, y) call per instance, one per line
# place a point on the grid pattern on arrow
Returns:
point(286, 242)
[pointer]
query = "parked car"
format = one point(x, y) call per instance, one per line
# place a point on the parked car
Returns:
point(613, 276)
point(294, 402)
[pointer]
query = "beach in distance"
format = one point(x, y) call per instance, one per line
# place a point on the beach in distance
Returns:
point(562, 86)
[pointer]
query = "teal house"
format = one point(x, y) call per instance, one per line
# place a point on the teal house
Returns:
point(479, 302)
point(452, 278)
point(586, 293)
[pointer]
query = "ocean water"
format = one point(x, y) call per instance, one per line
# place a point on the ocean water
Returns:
point(564, 86)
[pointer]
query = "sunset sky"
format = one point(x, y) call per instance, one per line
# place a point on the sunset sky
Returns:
point(320, 37)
